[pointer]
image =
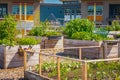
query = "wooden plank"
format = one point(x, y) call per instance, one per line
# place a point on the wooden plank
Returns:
point(5, 58)
point(99, 60)
point(58, 67)
point(73, 47)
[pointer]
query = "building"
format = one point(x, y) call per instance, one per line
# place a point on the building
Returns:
point(26, 11)
point(52, 12)
point(101, 11)
point(72, 9)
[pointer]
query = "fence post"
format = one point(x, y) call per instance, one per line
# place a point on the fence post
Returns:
point(119, 49)
point(40, 63)
point(25, 60)
point(105, 50)
point(80, 53)
point(84, 71)
point(58, 67)
point(54, 53)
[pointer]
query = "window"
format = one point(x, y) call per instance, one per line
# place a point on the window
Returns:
point(29, 10)
point(3, 10)
point(99, 10)
point(16, 9)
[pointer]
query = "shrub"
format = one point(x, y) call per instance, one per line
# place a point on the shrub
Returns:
point(36, 31)
point(78, 25)
point(27, 41)
point(40, 29)
point(7, 30)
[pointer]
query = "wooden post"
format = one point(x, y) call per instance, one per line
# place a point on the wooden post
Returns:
point(25, 60)
point(40, 64)
point(5, 66)
point(58, 67)
point(80, 53)
point(99, 48)
point(84, 71)
point(102, 52)
point(54, 53)
point(105, 50)
point(119, 49)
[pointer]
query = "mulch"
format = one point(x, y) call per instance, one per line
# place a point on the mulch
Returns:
point(12, 74)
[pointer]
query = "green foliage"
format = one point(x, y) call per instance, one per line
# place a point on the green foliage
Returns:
point(78, 25)
point(45, 30)
point(88, 36)
point(52, 33)
point(117, 35)
point(114, 27)
point(72, 70)
point(27, 41)
point(7, 30)
point(40, 29)
point(104, 70)
point(50, 68)
point(36, 31)
point(81, 36)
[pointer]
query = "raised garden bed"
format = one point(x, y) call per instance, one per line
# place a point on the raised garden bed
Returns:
point(34, 76)
point(10, 57)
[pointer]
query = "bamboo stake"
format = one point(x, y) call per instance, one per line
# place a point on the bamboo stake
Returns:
point(40, 64)
point(58, 67)
point(84, 71)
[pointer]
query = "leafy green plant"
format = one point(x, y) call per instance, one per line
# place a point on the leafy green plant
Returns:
point(104, 70)
point(7, 30)
point(78, 25)
point(52, 33)
point(66, 69)
point(27, 41)
point(40, 29)
point(36, 31)
point(81, 36)
point(88, 36)
point(114, 27)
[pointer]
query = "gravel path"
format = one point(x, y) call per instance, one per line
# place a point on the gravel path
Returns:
point(12, 74)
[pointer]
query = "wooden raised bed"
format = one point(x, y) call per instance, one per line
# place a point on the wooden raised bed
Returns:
point(34, 76)
point(9, 57)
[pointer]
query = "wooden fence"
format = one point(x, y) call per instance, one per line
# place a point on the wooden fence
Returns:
point(84, 62)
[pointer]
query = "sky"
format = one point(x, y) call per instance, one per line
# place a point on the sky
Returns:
point(52, 1)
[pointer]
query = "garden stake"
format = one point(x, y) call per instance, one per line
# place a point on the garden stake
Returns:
point(40, 63)
point(84, 71)
point(58, 67)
